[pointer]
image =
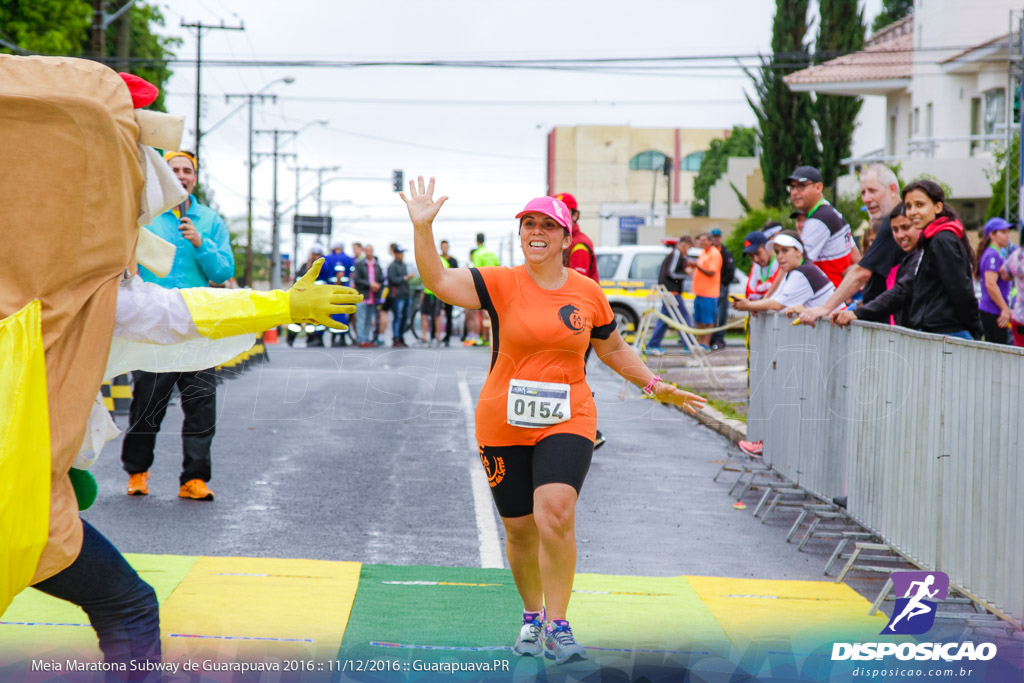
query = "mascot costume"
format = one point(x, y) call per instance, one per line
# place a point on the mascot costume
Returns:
point(79, 178)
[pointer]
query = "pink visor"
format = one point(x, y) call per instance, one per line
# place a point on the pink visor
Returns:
point(549, 206)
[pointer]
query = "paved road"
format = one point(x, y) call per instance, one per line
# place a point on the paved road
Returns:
point(353, 454)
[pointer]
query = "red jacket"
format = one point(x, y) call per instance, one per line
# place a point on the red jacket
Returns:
point(580, 256)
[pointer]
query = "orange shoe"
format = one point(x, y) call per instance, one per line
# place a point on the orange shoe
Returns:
point(195, 489)
point(138, 484)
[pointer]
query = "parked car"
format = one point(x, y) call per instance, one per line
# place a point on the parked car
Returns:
point(629, 272)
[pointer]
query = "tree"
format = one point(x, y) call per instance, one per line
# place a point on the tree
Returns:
point(840, 30)
point(892, 10)
point(144, 44)
point(742, 142)
point(785, 118)
point(62, 27)
point(53, 27)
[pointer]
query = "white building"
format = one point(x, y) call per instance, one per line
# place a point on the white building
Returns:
point(944, 74)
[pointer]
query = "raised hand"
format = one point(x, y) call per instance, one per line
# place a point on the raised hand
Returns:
point(420, 202)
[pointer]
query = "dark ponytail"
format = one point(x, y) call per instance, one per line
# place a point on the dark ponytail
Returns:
point(934, 192)
point(983, 244)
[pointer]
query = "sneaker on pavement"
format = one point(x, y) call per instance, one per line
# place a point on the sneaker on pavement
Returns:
point(655, 351)
point(138, 484)
point(530, 642)
point(560, 645)
point(754, 448)
point(195, 489)
point(599, 440)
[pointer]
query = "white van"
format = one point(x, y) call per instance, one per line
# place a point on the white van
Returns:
point(629, 272)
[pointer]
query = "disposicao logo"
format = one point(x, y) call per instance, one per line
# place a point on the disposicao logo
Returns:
point(913, 615)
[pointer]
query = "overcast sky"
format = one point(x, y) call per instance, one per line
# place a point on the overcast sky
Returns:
point(481, 132)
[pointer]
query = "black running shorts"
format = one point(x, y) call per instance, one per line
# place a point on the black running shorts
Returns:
point(514, 472)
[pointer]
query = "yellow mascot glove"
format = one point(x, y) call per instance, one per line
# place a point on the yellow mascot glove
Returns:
point(313, 303)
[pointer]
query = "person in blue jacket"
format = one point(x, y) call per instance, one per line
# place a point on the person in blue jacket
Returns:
point(338, 268)
point(203, 257)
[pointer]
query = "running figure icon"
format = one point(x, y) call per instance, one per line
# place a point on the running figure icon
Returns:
point(914, 606)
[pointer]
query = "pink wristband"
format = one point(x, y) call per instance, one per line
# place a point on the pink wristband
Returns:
point(649, 389)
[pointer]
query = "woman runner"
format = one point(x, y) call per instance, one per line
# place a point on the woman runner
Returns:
point(536, 419)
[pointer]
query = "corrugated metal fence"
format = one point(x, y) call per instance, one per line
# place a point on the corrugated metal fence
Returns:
point(921, 432)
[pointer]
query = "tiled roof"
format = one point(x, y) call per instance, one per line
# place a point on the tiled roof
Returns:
point(889, 54)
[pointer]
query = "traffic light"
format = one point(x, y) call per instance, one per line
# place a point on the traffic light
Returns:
point(397, 180)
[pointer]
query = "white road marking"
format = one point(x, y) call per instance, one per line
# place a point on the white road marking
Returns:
point(486, 525)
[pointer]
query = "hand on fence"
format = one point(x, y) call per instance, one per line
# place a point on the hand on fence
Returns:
point(843, 318)
point(667, 393)
point(794, 311)
point(811, 315)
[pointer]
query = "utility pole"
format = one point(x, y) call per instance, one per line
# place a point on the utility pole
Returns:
point(248, 244)
point(99, 33)
point(100, 21)
point(275, 248)
point(199, 26)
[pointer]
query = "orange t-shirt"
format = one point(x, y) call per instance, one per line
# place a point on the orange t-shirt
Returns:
point(539, 335)
point(707, 285)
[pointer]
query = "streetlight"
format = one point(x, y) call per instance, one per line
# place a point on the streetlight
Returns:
point(288, 80)
point(275, 253)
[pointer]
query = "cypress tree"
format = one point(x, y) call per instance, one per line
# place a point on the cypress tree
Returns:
point(785, 119)
point(892, 10)
point(840, 30)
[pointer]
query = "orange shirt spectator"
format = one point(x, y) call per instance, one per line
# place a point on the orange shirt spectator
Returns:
point(708, 285)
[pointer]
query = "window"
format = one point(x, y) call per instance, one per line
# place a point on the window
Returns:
point(645, 266)
point(650, 160)
point(995, 111)
point(692, 162)
point(607, 264)
point(892, 135)
point(916, 126)
point(975, 123)
point(929, 130)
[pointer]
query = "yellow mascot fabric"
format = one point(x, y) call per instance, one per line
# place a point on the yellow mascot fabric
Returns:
point(24, 451)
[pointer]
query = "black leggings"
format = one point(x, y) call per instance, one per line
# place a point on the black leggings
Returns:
point(515, 472)
point(994, 333)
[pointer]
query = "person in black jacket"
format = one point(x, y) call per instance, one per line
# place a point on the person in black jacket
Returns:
point(368, 279)
point(672, 276)
point(942, 299)
point(892, 305)
point(728, 273)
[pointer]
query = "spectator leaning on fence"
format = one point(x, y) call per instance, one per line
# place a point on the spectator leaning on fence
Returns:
point(1013, 269)
point(826, 235)
point(943, 300)
point(880, 192)
point(764, 268)
point(803, 283)
point(994, 306)
point(892, 305)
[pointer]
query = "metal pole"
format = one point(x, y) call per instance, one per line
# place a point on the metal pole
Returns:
point(654, 194)
point(1020, 167)
point(319, 191)
point(99, 36)
point(199, 72)
point(275, 253)
point(248, 241)
point(295, 229)
point(199, 26)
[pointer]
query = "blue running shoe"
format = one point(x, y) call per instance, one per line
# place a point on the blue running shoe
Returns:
point(530, 642)
point(655, 351)
point(560, 645)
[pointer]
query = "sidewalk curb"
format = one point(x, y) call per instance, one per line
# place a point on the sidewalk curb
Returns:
point(734, 430)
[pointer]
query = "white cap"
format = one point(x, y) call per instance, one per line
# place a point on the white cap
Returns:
point(788, 241)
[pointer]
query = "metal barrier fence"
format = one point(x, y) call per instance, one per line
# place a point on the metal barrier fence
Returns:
point(921, 432)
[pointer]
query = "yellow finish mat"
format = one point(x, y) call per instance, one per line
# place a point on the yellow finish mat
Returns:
point(221, 608)
point(256, 608)
point(808, 613)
